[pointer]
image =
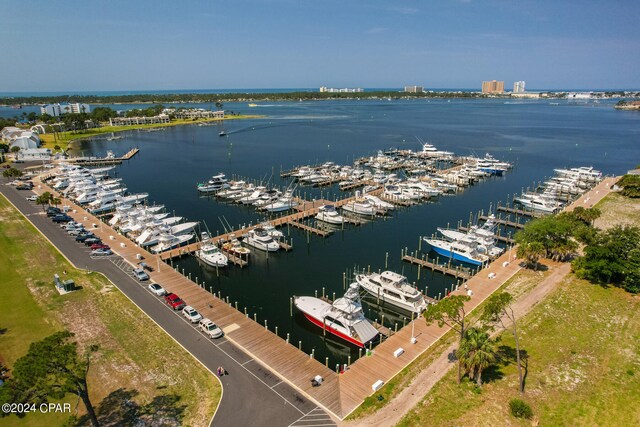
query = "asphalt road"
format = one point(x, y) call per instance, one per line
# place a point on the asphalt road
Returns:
point(252, 395)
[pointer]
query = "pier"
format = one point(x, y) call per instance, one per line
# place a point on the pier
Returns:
point(519, 212)
point(309, 229)
point(503, 222)
point(458, 272)
point(88, 161)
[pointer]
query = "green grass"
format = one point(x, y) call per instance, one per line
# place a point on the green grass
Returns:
point(518, 284)
point(64, 138)
point(583, 343)
point(134, 354)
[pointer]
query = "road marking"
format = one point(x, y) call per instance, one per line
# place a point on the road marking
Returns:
point(250, 360)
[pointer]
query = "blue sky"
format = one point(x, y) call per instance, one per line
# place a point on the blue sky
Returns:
point(154, 45)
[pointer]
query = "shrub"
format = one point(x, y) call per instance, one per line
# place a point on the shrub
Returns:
point(520, 409)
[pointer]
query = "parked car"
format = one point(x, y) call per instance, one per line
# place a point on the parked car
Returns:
point(101, 252)
point(140, 274)
point(82, 237)
point(61, 218)
point(53, 211)
point(174, 301)
point(24, 187)
point(191, 314)
point(157, 289)
point(71, 224)
point(99, 246)
point(210, 329)
point(32, 198)
point(76, 231)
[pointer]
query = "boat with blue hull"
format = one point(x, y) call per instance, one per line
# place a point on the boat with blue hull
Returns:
point(461, 250)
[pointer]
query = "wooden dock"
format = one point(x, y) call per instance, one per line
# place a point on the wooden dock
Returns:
point(396, 201)
point(519, 212)
point(457, 272)
point(83, 161)
point(309, 229)
point(503, 222)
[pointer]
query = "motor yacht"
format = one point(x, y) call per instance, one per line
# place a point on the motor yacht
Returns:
point(328, 213)
point(393, 289)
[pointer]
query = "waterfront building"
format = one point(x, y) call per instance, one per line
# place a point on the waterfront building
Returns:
point(340, 90)
point(34, 154)
point(56, 110)
point(132, 121)
point(579, 95)
point(16, 137)
point(518, 87)
point(198, 113)
point(493, 86)
point(414, 89)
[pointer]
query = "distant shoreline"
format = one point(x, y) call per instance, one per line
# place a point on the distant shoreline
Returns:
point(183, 98)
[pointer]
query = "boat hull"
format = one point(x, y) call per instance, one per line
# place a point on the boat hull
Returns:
point(335, 332)
point(455, 255)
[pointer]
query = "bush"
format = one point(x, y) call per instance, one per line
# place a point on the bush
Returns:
point(520, 409)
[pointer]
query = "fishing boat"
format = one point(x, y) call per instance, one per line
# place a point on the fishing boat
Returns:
point(393, 289)
point(537, 203)
point(216, 183)
point(343, 318)
point(484, 235)
point(459, 250)
point(328, 213)
point(260, 239)
point(169, 241)
point(211, 255)
point(271, 230)
point(283, 203)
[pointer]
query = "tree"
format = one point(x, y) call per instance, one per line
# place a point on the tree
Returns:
point(553, 233)
point(477, 352)
point(51, 369)
point(43, 199)
point(530, 253)
point(219, 105)
point(497, 308)
point(56, 148)
point(11, 173)
point(450, 311)
point(613, 258)
point(15, 149)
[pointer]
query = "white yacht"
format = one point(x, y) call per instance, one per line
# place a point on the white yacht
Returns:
point(211, 255)
point(360, 207)
point(379, 203)
point(216, 183)
point(343, 318)
point(393, 289)
point(169, 241)
point(260, 239)
point(328, 213)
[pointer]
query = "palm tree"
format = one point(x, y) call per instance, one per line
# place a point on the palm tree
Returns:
point(477, 353)
point(43, 200)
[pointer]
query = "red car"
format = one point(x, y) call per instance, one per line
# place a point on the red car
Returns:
point(99, 246)
point(174, 301)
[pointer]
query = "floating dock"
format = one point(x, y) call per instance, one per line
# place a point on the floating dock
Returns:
point(309, 229)
point(503, 222)
point(87, 161)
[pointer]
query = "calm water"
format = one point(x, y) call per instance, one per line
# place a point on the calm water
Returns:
point(536, 136)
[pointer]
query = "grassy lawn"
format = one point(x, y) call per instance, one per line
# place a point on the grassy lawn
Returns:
point(583, 343)
point(618, 209)
point(49, 141)
point(138, 369)
point(519, 284)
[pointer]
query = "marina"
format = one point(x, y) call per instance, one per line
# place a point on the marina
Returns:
point(269, 277)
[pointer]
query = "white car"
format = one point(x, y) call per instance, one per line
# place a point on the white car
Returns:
point(210, 329)
point(32, 198)
point(157, 289)
point(191, 314)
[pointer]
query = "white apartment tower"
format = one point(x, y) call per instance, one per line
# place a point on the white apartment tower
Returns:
point(518, 87)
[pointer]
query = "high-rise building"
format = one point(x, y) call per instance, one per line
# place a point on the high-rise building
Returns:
point(493, 87)
point(414, 89)
point(56, 110)
point(518, 87)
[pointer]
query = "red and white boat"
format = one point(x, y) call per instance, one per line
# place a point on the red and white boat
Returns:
point(344, 318)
